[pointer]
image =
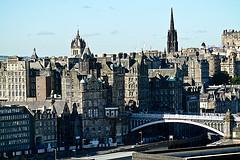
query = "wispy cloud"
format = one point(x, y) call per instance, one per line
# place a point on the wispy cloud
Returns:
point(91, 34)
point(111, 8)
point(201, 31)
point(86, 7)
point(45, 33)
point(185, 38)
point(114, 32)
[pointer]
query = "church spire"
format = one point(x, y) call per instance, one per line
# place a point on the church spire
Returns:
point(172, 21)
point(172, 43)
point(78, 36)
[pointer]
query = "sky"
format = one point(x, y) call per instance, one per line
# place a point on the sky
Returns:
point(111, 26)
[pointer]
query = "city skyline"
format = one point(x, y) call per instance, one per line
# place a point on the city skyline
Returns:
point(122, 27)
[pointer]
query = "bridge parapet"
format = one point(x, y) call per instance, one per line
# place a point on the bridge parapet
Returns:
point(214, 121)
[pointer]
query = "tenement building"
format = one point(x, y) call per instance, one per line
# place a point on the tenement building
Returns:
point(14, 79)
point(69, 127)
point(166, 89)
point(198, 71)
point(45, 128)
point(136, 82)
point(97, 125)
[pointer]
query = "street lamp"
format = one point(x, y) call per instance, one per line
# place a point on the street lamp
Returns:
point(77, 142)
point(55, 153)
point(141, 136)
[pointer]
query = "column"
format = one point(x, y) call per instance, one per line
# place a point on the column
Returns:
point(228, 123)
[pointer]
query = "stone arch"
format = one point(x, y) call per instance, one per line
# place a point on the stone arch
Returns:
point(179, 121)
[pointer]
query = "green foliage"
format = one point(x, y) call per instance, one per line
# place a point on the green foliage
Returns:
point(220, 78)
point(235, 80)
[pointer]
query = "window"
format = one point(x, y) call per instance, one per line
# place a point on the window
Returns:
point(107, 113)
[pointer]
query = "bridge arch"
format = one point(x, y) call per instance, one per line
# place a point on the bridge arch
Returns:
point(179, 121)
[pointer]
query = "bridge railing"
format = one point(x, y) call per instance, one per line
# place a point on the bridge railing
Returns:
point(194, 117)
point(212, 116)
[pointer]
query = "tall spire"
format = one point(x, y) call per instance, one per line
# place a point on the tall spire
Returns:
point(172, 21)
point(172, 43)
point(78, 36)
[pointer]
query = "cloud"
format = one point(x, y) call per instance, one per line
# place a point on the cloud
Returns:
point(114, 32)
point(86, 7)
point(201, 31)
point(45, 33)
point(111, 8)
point(184, 38)
point(91, 34)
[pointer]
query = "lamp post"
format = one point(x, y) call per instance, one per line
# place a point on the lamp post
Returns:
point(55, 153)
point(77, 142)
point(141, 137)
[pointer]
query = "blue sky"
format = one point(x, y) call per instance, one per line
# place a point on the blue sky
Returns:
point(111, 25)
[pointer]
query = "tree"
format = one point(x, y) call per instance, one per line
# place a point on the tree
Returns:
point(220, 78)
point(235, 80)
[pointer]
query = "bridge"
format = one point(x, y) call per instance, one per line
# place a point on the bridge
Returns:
point(222, 124)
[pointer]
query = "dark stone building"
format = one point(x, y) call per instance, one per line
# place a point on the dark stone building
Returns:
point(166, 94)
point(191, 102)
point(45, 128)
point(172, 42)
point(69, 127)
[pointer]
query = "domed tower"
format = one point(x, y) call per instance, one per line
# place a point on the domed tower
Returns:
point(77, 45)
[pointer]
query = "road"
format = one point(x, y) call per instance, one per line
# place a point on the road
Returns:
point(110, 156)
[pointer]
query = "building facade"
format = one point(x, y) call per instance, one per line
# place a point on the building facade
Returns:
point(45, 128)
point(231, 39)
point(198, 71)
point(98, 125)
point(14, 79)
point(16, 129)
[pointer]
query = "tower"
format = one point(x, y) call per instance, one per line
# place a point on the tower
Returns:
point(172, 43)
point(77, 45)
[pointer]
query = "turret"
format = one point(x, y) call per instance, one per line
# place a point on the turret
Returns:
point(228, 125)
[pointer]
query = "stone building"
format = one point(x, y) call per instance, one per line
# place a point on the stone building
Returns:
point(98, 120)
point(219, 99)
point(114, 74)
point(136, 82)
point(231, 39)
point(214, 64)
point(45, 128)
point(77, 68)
point(172, 42)
point(44, 77)
point(191, 100)
point(16, 130)
point(198, 71)
point(34, 69)
point(3, 80)
point(14, 79)
point(71, 85)
point(69, 127)
point(228, 64)
point(166, 89)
